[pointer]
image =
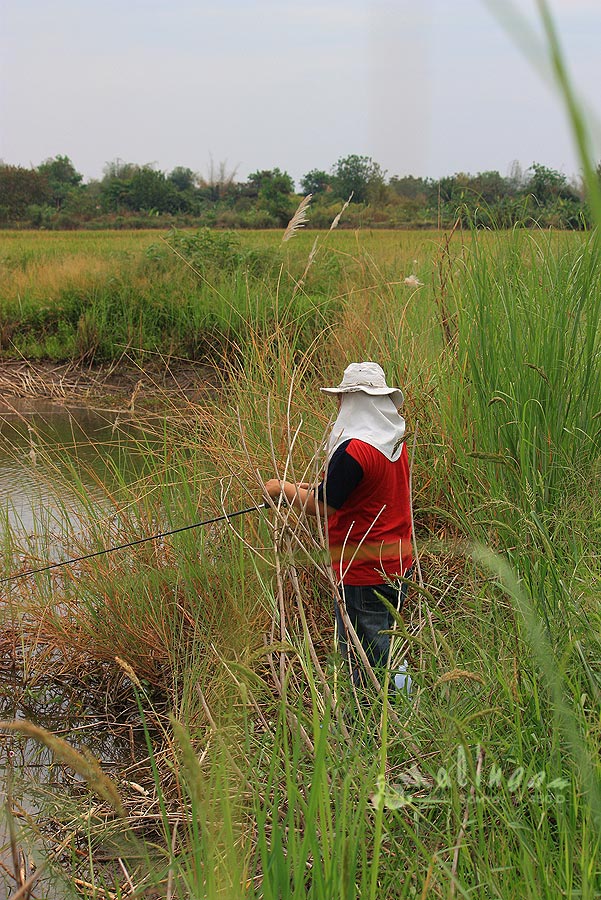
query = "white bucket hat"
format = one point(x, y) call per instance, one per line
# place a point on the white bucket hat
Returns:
point(369, 378)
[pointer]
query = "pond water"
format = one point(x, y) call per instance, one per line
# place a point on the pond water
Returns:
point(42, 443)
point(49, 457)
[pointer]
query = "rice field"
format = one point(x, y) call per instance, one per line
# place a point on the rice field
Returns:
point(255, 771)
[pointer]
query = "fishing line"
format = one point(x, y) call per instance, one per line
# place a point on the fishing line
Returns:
point(153, 537)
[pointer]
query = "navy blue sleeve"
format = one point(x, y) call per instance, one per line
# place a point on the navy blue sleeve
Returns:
point(344, 474)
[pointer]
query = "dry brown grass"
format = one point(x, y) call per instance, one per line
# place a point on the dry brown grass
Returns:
point(118, 386)
point(46, 280)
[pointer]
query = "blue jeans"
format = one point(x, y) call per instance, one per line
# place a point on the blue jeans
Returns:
point(369, 617)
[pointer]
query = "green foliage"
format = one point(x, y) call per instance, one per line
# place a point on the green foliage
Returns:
point(410, 187)
point(135, 196)
point(271, 181)
point(142, 189)
point(216, 253)
point(316, 182)
point(547, 184)
point(183, 178)
point(191, 296)
point(19, 189)
point(41, 215)
point(534, 395)
point(62, 178)
point(273, 189)
point(150, 190)
point(357, 175)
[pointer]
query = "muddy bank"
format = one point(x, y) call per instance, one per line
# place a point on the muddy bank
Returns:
point(118, 386)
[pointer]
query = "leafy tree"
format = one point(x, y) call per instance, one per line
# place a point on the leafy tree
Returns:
point(358, 175)
point(19, 189)
point(136, 188)
point(548, 184)
point(115, 185)
point(115, 194)
point(85, 203)
point(62, 178)
point(273, 189)
point(271, 181)
point(316, 182)
point(471, 192)
point(119, 169)
point(453, 188)
point(409, 186)
point(149, 189)
point(489, 187)
point(182, 178)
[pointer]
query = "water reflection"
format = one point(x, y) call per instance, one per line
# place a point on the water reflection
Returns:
point(53, 460)
point(70, 711)
point(42, 444)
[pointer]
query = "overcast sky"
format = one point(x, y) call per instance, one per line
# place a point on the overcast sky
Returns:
point(424, 87)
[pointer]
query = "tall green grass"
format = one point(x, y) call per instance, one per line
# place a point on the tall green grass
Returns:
point(526, 396)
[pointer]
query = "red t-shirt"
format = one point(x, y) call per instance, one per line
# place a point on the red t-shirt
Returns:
point(370, 532)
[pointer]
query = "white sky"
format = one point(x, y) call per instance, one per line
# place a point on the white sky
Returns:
point(424, 87)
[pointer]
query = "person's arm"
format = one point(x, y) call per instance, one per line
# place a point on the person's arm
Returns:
point(344, 474)
point(301, 496)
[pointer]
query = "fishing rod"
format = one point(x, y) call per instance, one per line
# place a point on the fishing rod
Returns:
point(153, 537)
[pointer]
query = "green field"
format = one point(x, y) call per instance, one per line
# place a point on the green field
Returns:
point(261, 776)
point(101, 297)
point(96, 297)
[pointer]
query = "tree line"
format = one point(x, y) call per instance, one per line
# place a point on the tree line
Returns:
point(53, 195)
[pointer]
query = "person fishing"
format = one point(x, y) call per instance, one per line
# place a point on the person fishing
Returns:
point(365, 500)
